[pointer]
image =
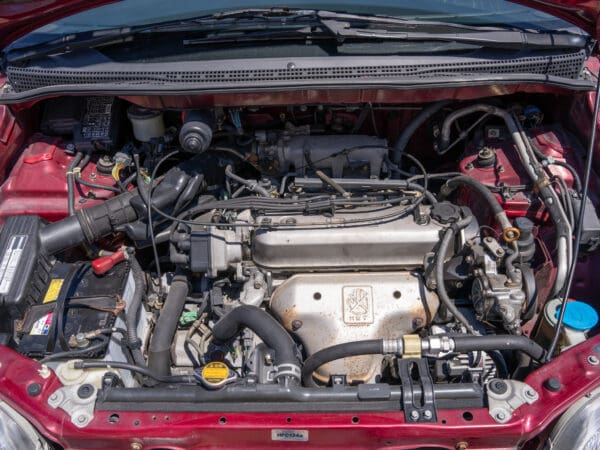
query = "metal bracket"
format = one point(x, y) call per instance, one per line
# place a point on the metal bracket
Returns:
point(505, 396)
point(81, 410)
point(415, 410)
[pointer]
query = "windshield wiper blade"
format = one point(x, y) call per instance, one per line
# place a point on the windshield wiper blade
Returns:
point(288, 20)
point(491, 38)
point(249, 19)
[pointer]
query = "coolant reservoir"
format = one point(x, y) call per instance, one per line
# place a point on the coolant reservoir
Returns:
point(579, 319)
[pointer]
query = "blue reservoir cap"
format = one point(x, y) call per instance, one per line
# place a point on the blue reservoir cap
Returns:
point(579, 316)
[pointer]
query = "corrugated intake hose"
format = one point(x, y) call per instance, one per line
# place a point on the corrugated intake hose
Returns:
point(268, 329)
point(159, 352)
point(90, 224)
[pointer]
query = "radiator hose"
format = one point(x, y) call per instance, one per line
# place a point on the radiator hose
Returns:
point(429, 346)
point(269, 330)
point(159, 351)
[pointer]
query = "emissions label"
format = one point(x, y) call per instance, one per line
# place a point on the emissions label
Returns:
point(10, 261)
point(289, 435)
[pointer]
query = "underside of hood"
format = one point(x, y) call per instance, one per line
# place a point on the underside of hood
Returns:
point(19, 17)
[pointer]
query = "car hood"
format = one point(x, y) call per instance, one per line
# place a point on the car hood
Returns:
point(19, 17)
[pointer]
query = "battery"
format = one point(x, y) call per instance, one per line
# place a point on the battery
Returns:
point(76, 304)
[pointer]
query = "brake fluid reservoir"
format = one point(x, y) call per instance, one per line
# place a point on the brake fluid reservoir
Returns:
point(579, 319)
point(147, 124)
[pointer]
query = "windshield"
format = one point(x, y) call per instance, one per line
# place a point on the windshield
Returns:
point(141, 12)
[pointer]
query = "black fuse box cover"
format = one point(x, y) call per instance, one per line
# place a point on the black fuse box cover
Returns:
point(24, 270)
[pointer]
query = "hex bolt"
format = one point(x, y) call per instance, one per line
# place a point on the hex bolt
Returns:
point(427, 414)
point(85, 391)
point(34, 389)
point(296, 325)
point(81, 419)
point(529, 393)
point(53, 397)
point(500, 415)
point(593, 360)
point(417, 322)
point(414, 415)
point(498, 387)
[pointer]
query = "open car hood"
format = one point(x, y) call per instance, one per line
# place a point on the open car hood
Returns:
point(19, 17)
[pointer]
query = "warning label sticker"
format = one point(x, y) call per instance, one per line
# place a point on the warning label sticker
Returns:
point(53, 290)
point(10, 261)
point(41, 327)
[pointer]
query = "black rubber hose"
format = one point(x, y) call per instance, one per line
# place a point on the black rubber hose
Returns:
point(570, 168)
point(440, 272)
point(487, 195)
point(264, 325)
point(413, 126)
point(316, 360)
point(499, 342)
point(136, 369)
point(90, 184)
point(552, 162)
point(72, 354)
point(133, 312)
point(90, 224)
point(159, 352)
point(71, 182)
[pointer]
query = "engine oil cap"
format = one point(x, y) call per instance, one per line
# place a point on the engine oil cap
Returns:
point(215, 374)
point(579, 316)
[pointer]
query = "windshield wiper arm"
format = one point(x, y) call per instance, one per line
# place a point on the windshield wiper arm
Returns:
point(492, 38)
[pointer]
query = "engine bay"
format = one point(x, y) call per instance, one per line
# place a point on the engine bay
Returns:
point(357, 251)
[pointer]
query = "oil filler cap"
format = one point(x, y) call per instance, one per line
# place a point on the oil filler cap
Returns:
point(579, 316)
point(215, 374)
point(445, 212)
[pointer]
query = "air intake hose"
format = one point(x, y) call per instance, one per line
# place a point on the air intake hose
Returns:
point(90, 224)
